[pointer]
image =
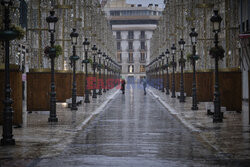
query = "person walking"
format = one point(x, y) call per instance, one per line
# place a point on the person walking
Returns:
point(123, 82)
point(144, 82)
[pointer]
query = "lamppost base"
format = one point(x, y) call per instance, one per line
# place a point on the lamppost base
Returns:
point(218, 118)
point(86, 101)
point(8, 142)
point(53, 119)
point(74, 108)
point(182, 101)
point(173, 96)
point(194, 108)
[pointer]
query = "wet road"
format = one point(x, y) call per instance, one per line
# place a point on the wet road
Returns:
point(135, 130)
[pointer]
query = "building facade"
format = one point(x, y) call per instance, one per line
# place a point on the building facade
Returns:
point(133, 26)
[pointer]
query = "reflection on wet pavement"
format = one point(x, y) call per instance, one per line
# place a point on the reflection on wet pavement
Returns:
point(136, 130)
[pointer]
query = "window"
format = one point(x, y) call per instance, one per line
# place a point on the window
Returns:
point(130, 68)
point(118, 45)
point(119, 57)
point(118, 34)
point(142, 34)
point(114, 13)
point(130, 35)
point(130, 45)
point(143, 57)
point(143, 45)
point(130, 57)
point(142, 68)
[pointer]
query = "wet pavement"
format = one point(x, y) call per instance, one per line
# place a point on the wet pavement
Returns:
point(38, 139)
point(231, 137)
point(131, 130)
point(136, 130)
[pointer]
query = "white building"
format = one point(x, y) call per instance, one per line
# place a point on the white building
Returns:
point(133, 26)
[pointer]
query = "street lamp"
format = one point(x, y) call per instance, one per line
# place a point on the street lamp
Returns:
point(217, 52)
point(108, 76)
point(159, 72)
point(100, 70)
point(162, 70)
point(94, 50)
point(86, 61)
point(73, 59)
point(167, 65)
point(104, 71)
point(194, 57)
point(52, 54)
point(155, 73)
point(182, 64)
point(173, 48)
point(8, 112)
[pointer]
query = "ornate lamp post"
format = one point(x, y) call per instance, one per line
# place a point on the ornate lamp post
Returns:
point(162, 71)
point(86, 61)
point(104, 71)
point(73, 59)
point(173, 48)
point(94, 50)
point(100, 70)
point(167, 65)
point(155, 73)
point(108, 75)
point(194, 57)
point(8, 112)
point(159, 71)
point(52, 54)
point(217, 52)
point(182, 64)
point(107, 72)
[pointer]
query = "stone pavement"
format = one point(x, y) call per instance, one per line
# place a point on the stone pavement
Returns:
point(37, 138)
point(231, 138)
point(130, 130)
point(134, 131)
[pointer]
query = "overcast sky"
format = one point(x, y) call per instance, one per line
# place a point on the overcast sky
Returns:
point(146, 2)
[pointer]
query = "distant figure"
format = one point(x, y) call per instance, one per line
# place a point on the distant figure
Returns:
point(144, 82)
point(123, 86)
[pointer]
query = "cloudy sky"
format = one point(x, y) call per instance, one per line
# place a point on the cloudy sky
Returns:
point(146, 2)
